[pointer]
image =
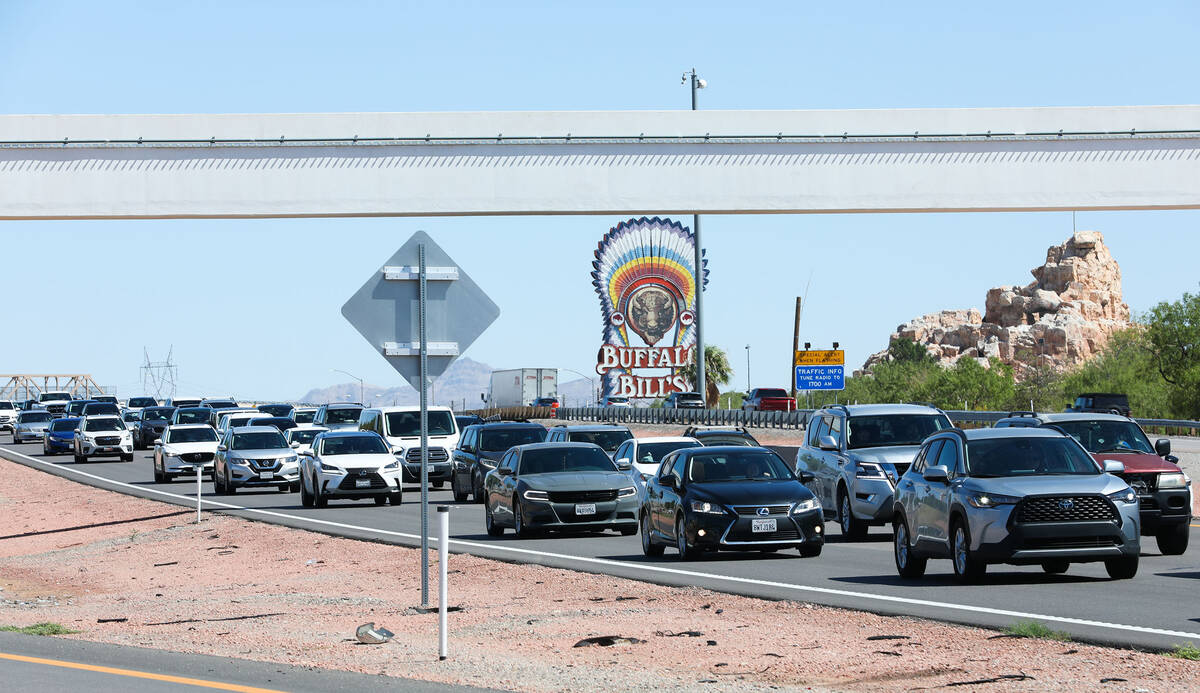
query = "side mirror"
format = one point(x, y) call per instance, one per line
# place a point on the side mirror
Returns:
point(504, 471)
point(624, 465)
point(1113, 467)
point(807, 478)
point(937, 473)
point(826, 442)
point(1162, 447)
point(306, 453)
point(158, 441)
point(295, 446)
point(222, 448)
point(669, 482)
point(624, 461)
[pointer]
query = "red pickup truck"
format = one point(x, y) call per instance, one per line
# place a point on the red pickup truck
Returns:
point(768, 399)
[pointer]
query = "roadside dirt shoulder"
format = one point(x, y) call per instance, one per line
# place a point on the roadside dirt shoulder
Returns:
point(130, 571)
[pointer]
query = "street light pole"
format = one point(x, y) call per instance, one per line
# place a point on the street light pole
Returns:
point(360, 382)
point(747, 369)
point(591, 381)
point(696, 84)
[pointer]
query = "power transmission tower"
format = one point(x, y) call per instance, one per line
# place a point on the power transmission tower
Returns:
point(158, 377)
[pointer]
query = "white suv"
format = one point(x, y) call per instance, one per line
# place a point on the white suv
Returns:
point(8, 415)
point(103, 436)
point(400, 427)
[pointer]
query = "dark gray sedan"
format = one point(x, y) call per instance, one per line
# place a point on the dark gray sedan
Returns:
point(560, 487)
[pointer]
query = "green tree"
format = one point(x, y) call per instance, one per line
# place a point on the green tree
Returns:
point(908, 351)
point(1126, 365)
point(1173, 339)
point(717, 372)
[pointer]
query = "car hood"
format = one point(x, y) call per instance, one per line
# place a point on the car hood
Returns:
point(371, 460)
point(894, 454)
point(35, 425)
point(1137, 462)
point(63, 434)
point(186, 448)
point(1055, 484)
point(264, 453)
point(577, 481)
point(751, 492)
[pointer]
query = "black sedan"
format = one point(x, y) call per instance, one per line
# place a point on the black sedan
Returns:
point(729, 498)
point(481, 447)
point(558, 486)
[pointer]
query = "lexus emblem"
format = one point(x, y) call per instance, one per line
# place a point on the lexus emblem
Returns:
point(362, 472)
point(1066, 504)
point(763, 512)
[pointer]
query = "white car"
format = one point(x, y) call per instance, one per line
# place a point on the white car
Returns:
point(8, 415)
point(140, 403)
point(301, 437)
point(235, 419)
point(303, 415)
point(349, 464)
point(103, 436)
point(401, 428)
point(615, 402)
point(645, 454)
point(181, 448)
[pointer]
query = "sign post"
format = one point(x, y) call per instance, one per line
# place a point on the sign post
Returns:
point(420, 311)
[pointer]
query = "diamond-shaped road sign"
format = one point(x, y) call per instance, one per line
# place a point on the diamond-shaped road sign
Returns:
point(386, 310)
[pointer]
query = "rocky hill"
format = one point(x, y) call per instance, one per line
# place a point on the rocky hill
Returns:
point(1062, 318)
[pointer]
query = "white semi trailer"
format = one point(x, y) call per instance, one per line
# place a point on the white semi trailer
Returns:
point(520, 387)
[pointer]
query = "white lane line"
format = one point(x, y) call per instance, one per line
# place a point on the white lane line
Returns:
point(653, 568)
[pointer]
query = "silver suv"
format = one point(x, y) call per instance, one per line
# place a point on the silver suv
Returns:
point(856, 453)
point(1023, 496)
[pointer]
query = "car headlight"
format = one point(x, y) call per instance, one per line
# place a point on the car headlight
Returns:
point(867, 470)
point(489, 463)
point(536, 495)
point(707, 507)
point(1173, 480)
point(1125, 495)
point(991, 500)
point(393, 466)
point(806, 505)
point(291, 459)
point(329, 468)
point(627, 492)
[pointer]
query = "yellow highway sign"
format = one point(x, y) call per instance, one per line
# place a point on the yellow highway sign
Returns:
point(821, 357)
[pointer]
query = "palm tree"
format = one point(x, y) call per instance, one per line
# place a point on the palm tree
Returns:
point(716, 373)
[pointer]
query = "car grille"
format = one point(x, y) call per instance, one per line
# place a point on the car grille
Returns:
point(1141, 483)
point(582, 496)
point(413, 456)
point(1066, 509)
point(1069, 543)
point(56, 408)
point(752, 510)
point(196, 457)
point(108, 440)
point(350, 482)
point(265, 465)
point(741, 532)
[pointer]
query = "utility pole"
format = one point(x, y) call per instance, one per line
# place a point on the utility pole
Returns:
point(795, 348)
point(698, 83)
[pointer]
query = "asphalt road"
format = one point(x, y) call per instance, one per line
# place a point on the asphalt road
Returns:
point(50, 665)
point(1157, 609)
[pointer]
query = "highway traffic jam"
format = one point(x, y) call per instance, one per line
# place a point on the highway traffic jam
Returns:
point(1046, 490)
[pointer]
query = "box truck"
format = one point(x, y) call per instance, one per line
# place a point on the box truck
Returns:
point(520, 387)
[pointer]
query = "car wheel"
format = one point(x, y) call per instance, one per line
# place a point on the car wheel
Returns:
point(381, 500)
point(686, 551)
point(158, 475)
point(627, 531)
point(477, 494)
point(395, 498)
point(519, 526)
point(306, 499)
point(80, 459)
point(459, 496)
point(853, 529)
point(319, 499)
point(230, 489)
point(648, 546)
point(489, 523)
point(811, 550)
point(1173, 541)
point(1056, 567)
point(966, 567)
point(1122, 568)
point(127, 458)
point(908, 564)
point(436, 484)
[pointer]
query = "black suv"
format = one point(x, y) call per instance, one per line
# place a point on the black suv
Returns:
point(1101, 403)
point(480, 447)
point(151, 426)
point(737, 435)
point(607, 436)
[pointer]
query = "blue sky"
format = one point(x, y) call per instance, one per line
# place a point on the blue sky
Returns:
point(188, 283)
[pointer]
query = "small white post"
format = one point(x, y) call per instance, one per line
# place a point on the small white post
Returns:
point(443, 554)
point(199, 469)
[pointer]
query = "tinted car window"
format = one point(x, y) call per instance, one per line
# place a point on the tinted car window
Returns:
point(193, 416)
point(64, 425)
point(653, 453)
point(304, 417)
point(342, 415)
point(156, 414)
point(142, 402)
point(303, 437)
point(609, 440)
point(353, 445)
point(407, 424)
point(894, 429)
point(191, 435)
point(820, 427)
point(772, 392)
point(103, 425)
point(551, 460)
point(753, 465)
point(276, 409)
point(258, 440)
point(503, 439)
point(34, 417)
point(1107, 436)
point(948, 457)
point(999, 457)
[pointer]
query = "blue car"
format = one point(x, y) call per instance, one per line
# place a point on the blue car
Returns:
point(60, 436)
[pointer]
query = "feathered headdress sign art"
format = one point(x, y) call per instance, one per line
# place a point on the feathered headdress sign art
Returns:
point(645, 275)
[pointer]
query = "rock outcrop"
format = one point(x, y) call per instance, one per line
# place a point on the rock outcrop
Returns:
point(1062, 318)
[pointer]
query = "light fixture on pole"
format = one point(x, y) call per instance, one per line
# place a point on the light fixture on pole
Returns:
point(591, 381)
point(698, 83)
point(360, 382)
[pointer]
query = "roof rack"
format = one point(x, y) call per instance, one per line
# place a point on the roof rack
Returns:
point(692, 429)
point(1056, 427)
point(1013, 414)
point(837, 406)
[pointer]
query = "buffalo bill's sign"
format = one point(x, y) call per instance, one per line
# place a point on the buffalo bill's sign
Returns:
point(645, 275)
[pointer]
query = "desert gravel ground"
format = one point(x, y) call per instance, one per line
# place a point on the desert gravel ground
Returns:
point(77, 555)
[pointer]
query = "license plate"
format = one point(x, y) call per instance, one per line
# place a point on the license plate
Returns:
point(362, 483)
point(585, 509)
point(762, 525)
point(267, 475)
point(108, 450)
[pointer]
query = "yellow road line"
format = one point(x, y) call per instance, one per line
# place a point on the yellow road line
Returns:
point(138, 674)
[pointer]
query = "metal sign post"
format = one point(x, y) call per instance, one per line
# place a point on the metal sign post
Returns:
point(424, 347)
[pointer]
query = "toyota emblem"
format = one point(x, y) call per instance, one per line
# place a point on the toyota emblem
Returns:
point(763, 512)
point(1066, 504)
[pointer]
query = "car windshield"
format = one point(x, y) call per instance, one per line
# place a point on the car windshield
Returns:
point(342, 415)
point(54, 397)
point(143, 402)
point(6, 405)
point(276, 409)
point(572, 459)
point(609, 440)
point(35, 417)
point(748, 465)
point(191, 435)
point(688, 397)
point(304, 417)
point(103, 425)
point(257, 440)
point(221, 404)
point(156, 414)
point(772, 392)
point(893, 429)
point(727, 439)
point(996, 457)
point(64, 425)
point(192, 416)
point(94, 408)
point(304, 437)
point(354, 445)
point(132, 416)
point(1107, 436)
point(505, 438)
point(652, 453)
point(406, 424)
